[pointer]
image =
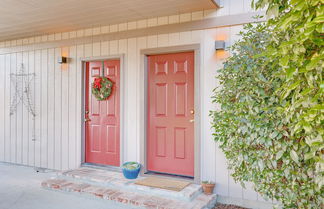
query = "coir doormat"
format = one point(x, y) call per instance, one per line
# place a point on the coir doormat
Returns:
point(162, 183)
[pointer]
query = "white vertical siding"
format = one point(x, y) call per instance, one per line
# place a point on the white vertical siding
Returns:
point(72, 116)
point(29, 142)
point(2, 107)
point(7, 96)
point(57, 111)
point(78, 119)
point(42, 111)
point(38, 105)
point(58, 97)
point(50, 109)
point(13, 118)
point(65, 105)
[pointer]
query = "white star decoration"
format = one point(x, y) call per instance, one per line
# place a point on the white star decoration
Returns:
point(21, 82)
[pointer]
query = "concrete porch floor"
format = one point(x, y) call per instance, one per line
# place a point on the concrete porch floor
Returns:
point(113, 187)
point(20, 188)
point(83, 188)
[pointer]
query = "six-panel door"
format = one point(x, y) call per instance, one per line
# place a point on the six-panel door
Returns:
point(170, 131)
point(103, 117)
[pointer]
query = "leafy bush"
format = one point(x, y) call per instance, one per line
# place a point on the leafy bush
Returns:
point(297, 43)
point(255, 128)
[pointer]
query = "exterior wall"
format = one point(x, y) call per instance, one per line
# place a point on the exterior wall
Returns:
point(58, 94)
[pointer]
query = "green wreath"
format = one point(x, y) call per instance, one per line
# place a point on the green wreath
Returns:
point(101, 88)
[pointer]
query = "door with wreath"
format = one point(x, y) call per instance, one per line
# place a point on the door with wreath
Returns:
point(102, 112)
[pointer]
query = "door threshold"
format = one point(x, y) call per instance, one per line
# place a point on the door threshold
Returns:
point(168, 176)
point(102, 167)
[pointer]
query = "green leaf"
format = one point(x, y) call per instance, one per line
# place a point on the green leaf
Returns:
point(319, 19)
point(309, 155)
point(284, 61)
point(313, 63)
point(274, 134)
point(320, 28)
point(294, 85)
point(279, 154)
point(294, 156)
point(273, 11)
point(290, 72)
point(306, 126)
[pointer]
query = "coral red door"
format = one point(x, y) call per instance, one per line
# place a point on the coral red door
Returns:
point(102, 117)
point(170, 135)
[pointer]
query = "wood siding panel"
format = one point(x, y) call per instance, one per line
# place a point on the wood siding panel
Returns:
point(65, 100)
point(7, 118)
point(23, 119)
point(130, 95)
point(51, 108)
point(141, 44)
point(30, 119)
point(79, 97)
point(57, 111)
point(43, 110)
point(72, 70)
point(207, 75)
point(13, 118)
point(38, 106)
point(2, 106)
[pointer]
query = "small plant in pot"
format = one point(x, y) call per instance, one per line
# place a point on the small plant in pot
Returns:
point(131, 169)
point(208, 187)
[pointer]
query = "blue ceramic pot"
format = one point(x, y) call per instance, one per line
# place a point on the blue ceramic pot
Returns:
point(131, 170)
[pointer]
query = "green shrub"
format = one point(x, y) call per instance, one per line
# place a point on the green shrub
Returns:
point(254, 125)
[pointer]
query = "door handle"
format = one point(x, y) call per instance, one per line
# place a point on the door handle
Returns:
point(87, 119)
point(192, 120)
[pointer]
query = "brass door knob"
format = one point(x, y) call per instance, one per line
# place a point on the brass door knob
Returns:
point(87, 119)
point(192, 120)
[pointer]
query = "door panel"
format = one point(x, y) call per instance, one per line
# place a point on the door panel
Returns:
point(170, 132)
point(103, 128)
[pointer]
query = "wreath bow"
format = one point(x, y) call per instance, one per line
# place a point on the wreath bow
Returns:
point(97, 83)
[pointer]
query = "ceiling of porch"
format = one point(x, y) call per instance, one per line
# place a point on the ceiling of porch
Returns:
point(24, 18)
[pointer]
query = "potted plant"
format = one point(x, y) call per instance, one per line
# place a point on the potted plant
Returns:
point(131, 169)
point(208, 187)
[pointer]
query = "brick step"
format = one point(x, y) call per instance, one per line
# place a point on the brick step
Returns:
point(129, 198)
point(100, 177)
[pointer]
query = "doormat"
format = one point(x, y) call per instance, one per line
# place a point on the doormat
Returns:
point(162, 183)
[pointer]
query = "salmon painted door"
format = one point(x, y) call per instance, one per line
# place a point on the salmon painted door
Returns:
point(170, 132)
point(102, 117)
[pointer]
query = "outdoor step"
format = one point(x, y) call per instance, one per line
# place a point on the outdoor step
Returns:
point(132, 199)
point(116, 180)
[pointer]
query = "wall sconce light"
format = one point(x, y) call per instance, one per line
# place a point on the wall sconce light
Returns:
point(219, 45)
point(62, 60)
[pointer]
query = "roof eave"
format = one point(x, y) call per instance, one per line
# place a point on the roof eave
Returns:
point(218, 3)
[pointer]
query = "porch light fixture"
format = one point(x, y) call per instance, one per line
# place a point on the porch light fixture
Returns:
point(219, 45)
point(62, 60)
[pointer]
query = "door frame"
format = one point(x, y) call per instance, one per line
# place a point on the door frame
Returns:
point(144, 53)
point(121, 58)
